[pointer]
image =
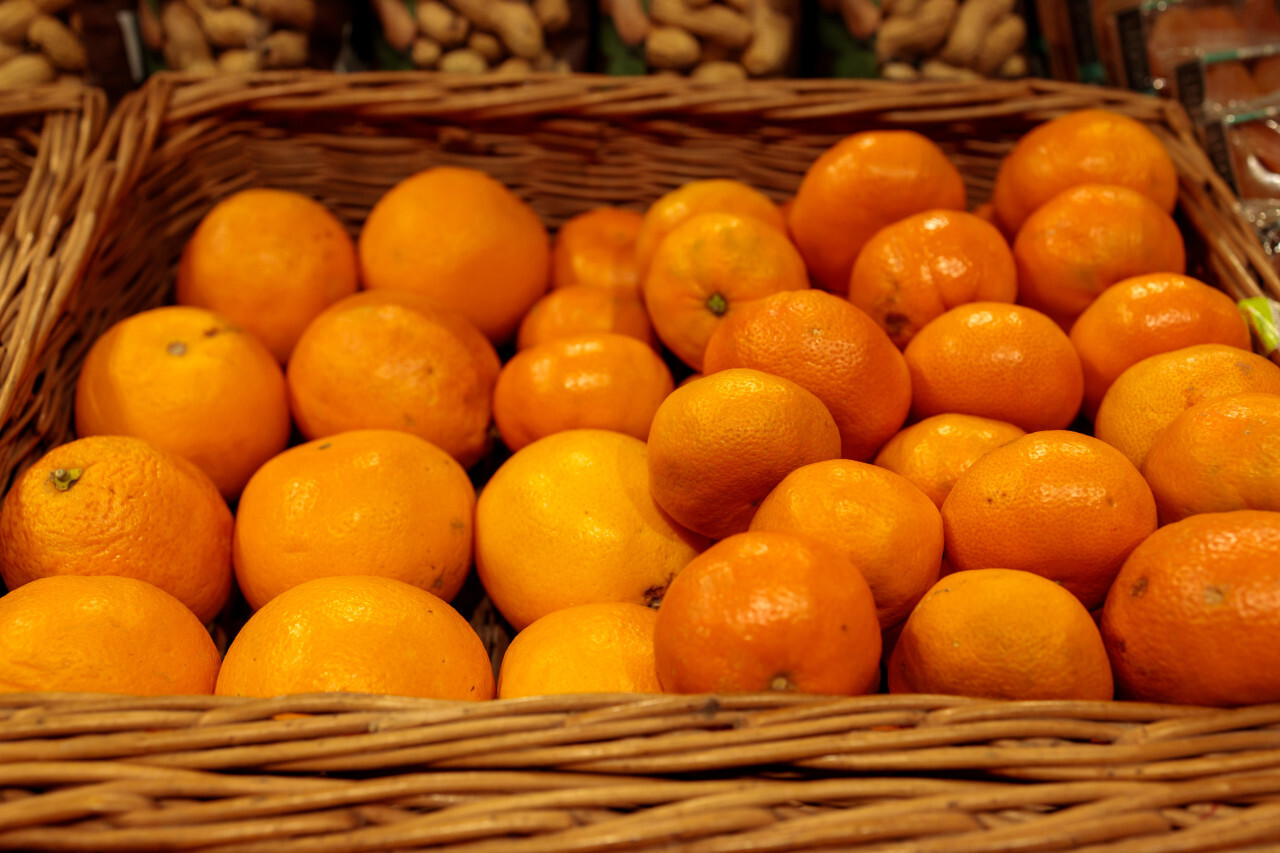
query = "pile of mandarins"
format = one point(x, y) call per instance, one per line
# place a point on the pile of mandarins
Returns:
point(865, 440)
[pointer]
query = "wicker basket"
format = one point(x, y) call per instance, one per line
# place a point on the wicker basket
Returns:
point(47, 222)
point(756, 772)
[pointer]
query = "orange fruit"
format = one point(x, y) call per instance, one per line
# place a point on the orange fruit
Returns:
point(932, 454)
point(710, 265)
point(596, 381)
point(597, 248)
point(828, 347)
point(1082, 147)
point(768, 611)
point(357, 634)
point(1001, 634)
point(1194, 614)
point(605, 647)
point(915, 269)
point(716, 195)
point(1146, 315)
point(1060, 504)
point(994, 360)
point(570, 520)
point(580, 309)
point(858, 186)
point(189, 382)
point(388, 360)
point(1149, 395)
point(367, 502)
point(117, 505)
point(719, 445)
point(1219, 455)
point(1087, 238)
point(890, 531)
point(986, 211)
point(107, 634)
point(268, 260)
point(462, 239)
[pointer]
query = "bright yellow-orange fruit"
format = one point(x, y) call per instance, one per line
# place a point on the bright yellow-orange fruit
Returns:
point(190, 382)
point(569, 520)
point(269, 260)
point(366, 502)
point(102, 634)
point(462, 239)
point(1001, 634)
point(605, 647)
point(357, 635)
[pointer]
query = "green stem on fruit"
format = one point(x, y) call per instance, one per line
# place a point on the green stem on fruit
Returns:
point(717, 304)
point(65, 478)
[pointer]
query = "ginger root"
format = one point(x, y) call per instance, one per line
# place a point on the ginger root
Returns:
point(285, 49)
point(918, 34)
point(554, 15)
point(238, 61)
point(185, 48)
point(16, 17)
point(771, 46)
point(719, 72)
point(973, 22)
point(425, 53)
point(1000, 43)
point(57, 42)
point(441, 24)
point(514, 23)
point(27, 69)
point(671, 47)
point(298, 14)
point(464, 60)
point(937, 69)
point(629, 19)
point(714, 23)
point(398, 26)
point(487, 45)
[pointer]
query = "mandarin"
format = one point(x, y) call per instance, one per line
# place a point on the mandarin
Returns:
point(858, 186)
point(932, 454)
point(579, 309)
point(1087, 238)
point(605, 647)
point(366, 502)
point(268, 260)
point(1056, 503)
point(1219, 455)
point(1194, 614)
point(463, 240)
point(1147, 315)
point(361, 634)
point(102, 634)
point(828, 347)
point(190, 382)
point(919, 267)
point(715, 195)
point(597, 248)
point(709, 266)
point(1146, 397)
point(1083, 147)
point(768, 611)
point(117, 505)
point(569, 520)
point(890, 531)
point(1001, 634)
point(593, 381)
point(719, 445)
point(389, 360)
point(995, 360)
